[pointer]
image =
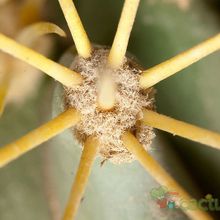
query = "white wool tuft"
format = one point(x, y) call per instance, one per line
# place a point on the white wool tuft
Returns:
point(109, 126)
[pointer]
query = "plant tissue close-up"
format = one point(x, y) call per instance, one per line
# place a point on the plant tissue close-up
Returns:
point(109, 109)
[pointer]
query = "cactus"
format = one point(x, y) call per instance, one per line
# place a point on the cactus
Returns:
point(165, 36)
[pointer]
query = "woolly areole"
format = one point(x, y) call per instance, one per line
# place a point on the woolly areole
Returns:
point(108, 126)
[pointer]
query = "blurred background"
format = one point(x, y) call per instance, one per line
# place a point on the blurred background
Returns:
point(36, 185)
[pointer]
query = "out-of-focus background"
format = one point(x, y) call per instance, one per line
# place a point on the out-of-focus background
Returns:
point(36, 185)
